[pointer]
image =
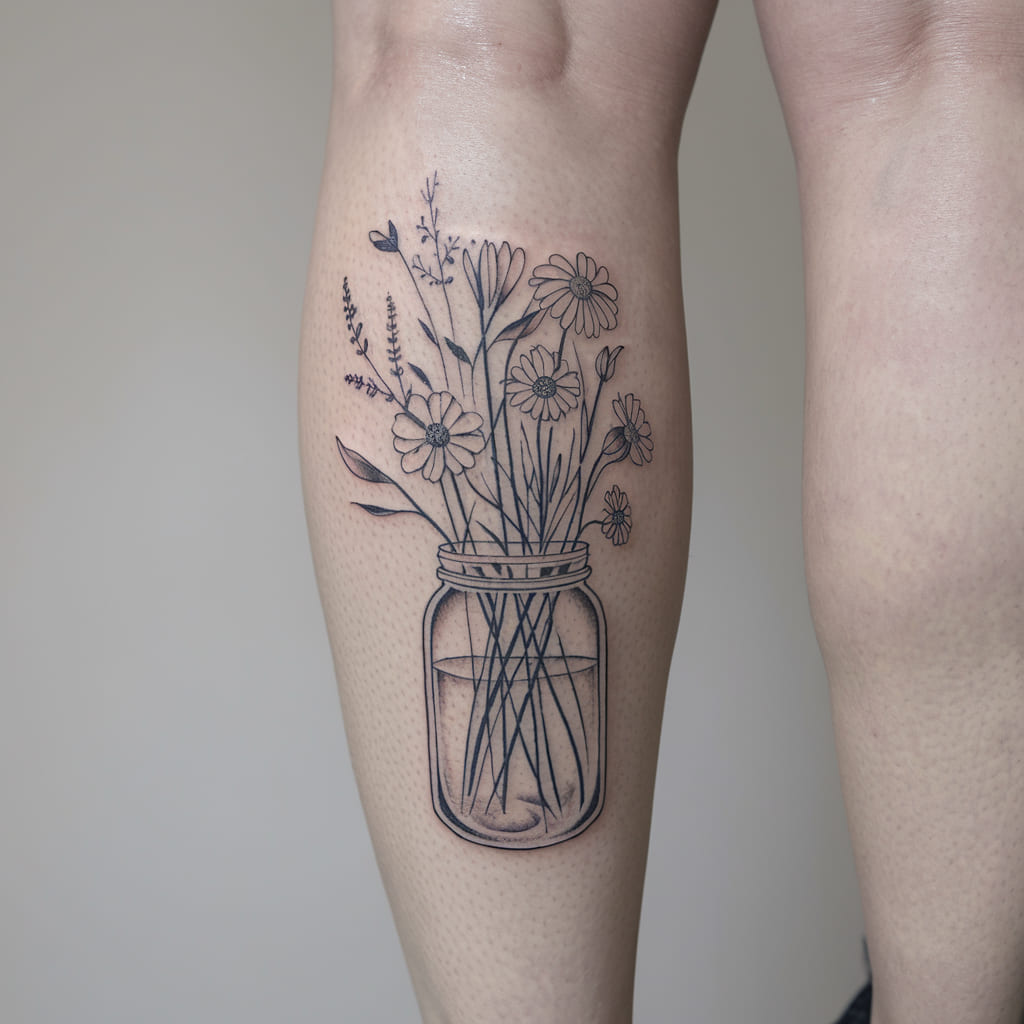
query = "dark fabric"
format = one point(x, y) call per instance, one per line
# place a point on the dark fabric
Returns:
point(859, 1011)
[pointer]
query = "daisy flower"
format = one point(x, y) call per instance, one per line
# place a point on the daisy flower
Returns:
point(633, 435)
point(618, 518)
point(579, 296)
point(543, 386)
point(435, 434)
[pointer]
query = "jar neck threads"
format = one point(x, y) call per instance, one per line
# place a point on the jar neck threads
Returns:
point(490, 566)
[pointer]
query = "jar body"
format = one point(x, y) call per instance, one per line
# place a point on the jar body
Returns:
point(514, 649)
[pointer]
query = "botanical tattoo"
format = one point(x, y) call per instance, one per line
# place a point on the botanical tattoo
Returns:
point(502, 444)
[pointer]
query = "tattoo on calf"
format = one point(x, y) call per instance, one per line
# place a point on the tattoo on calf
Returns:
point(493, 427)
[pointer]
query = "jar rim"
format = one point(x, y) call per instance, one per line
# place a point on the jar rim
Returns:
point(500, 565)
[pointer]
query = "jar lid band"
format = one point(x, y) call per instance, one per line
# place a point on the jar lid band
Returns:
point(463, 581)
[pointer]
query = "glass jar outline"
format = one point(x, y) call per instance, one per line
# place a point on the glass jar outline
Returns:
point(559, 580)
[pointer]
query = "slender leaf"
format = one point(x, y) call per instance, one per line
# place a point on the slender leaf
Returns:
point(430, 334)
point(422, 376)
point(358, 465)
point(556, 475)
point(522, 327)
point(459, 351)
point(377, 510)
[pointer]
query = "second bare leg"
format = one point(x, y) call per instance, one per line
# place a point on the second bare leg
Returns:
point(908, 123)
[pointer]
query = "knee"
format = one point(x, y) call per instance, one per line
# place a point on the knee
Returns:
point(831, 60)
point(454, 44)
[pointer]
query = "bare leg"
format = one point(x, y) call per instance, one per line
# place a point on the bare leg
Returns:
point(554, 129)
point(908, 123)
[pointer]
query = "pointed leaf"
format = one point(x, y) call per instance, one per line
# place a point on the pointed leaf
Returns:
point(522, 327)
point(429, 333)
point(422, 376)
point(459, 351)
point(361, 467)
point(376, 510)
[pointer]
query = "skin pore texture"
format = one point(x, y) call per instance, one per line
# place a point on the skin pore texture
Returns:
point(511, 169)
point(910, 154)
point(557, 134)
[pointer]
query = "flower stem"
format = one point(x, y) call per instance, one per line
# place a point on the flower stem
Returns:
point(440, 270)
point(448, 505)
point(384, 385)
point(494, 443)
point(503, 414)
point(593, 416)
point(462, 507)
point(419, 509)
point(595, 475)
point(561, 346)
point(430, 318)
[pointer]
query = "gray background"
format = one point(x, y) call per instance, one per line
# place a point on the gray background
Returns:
point(182, 840)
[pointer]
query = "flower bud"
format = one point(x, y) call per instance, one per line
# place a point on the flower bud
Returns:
point(615, 446)
point(388, 242)
point(605, 362)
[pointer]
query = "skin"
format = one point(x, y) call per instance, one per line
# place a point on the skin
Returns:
point(550, 934)
point(906, 119)
point(908, 124)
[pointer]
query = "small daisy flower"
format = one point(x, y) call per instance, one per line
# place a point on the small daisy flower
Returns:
point(579, 296)
point(633, 435)
point(618, 518)
point(435, 434)
point(542, 386)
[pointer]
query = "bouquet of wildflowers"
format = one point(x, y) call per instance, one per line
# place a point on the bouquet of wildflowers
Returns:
point(499, 415)
point(501, 442)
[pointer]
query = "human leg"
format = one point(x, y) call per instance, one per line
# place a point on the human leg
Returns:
point(908, 124)
point(554, 129)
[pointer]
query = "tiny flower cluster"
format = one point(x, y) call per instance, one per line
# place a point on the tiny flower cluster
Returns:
point(367, 385)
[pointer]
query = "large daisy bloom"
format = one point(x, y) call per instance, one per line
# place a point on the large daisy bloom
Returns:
point(435, 434)
point(618, 516)
point(542, 386)
point(579, 296)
